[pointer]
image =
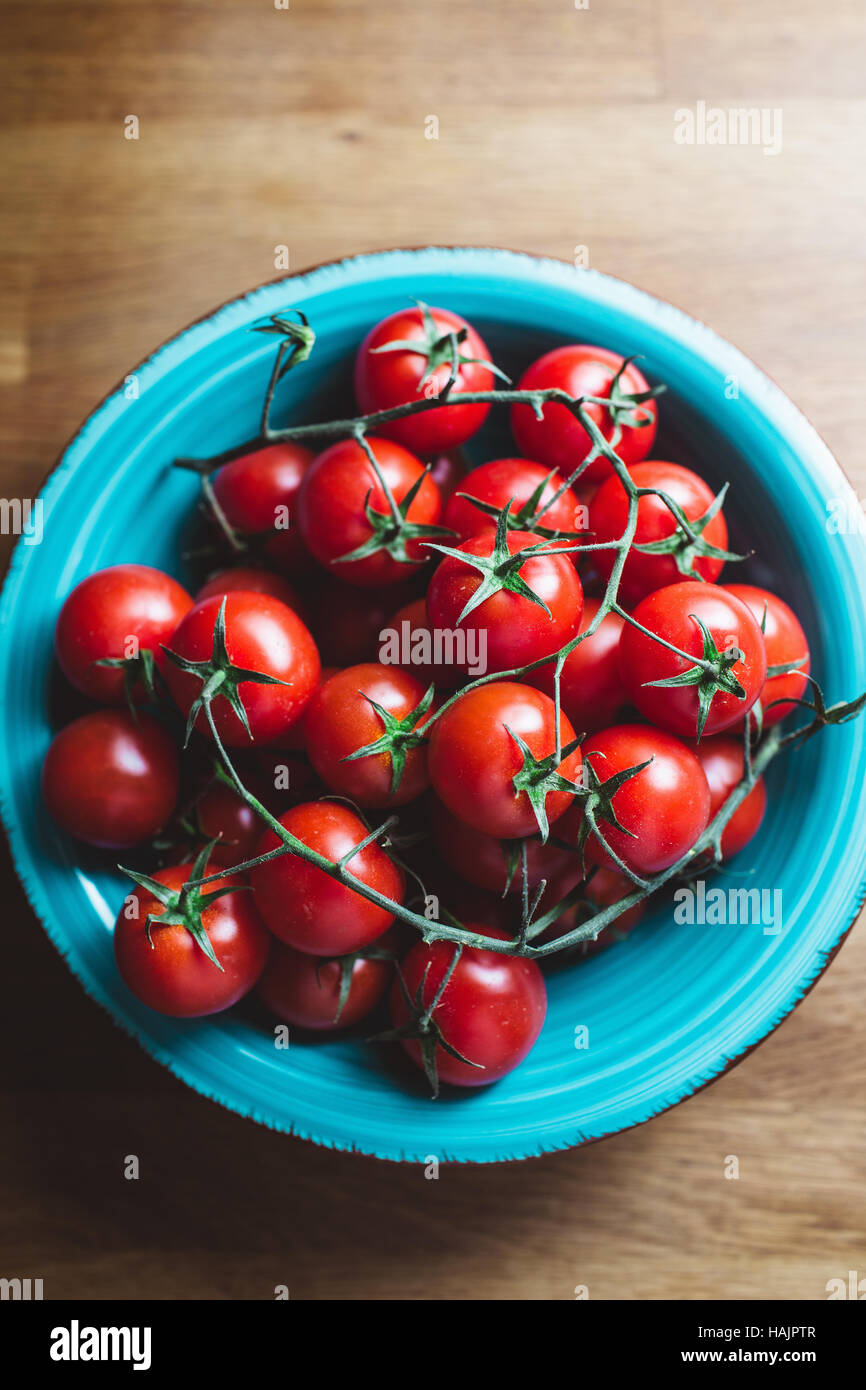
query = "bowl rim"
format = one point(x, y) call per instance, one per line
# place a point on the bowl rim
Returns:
point(15, 563)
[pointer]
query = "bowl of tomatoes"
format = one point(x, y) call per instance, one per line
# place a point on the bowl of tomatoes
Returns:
point(349, 766)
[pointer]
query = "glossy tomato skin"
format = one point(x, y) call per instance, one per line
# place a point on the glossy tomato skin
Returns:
point(305, 908)
point(110, 780)
point(174, 976)
point(340, 719)
point(331, 509)
point(590, 688)
point(473, 758)
point(258, 494)
point(666, 807)
point(224, 816)
point(560, 441)
point(491, 1010)
point(248, 579)
point(385, 379)
point(643, 573)
point(784, 641)
point(483, 859)
point(509, 480)
point(262, 635)
point(447, 470)
point(304, 991)
point(668, 613)
point(415, 636)
point(101, 615)
point(723, 764)
point(517, 630)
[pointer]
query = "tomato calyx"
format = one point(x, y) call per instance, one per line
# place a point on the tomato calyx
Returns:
point(398, 737)
point(712, 676)
point(538, 776)
point(137, 670)
point(439, 349)
point(623, 406)
point(184, 906)
point(219, 676)
point(422, 1027)
point(346, 964)
point(391, 531)
point(686, 543)
point(500, 569)
point(528, 517)
point(598, 808)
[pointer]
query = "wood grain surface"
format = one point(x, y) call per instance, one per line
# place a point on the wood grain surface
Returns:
point(306, 127)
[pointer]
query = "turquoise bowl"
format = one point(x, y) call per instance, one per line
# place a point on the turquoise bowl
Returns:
point(665, 1011)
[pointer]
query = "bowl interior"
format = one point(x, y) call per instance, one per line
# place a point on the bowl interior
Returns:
point(665, 1010)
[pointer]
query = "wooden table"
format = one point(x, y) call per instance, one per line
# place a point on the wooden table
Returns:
point(305, 127)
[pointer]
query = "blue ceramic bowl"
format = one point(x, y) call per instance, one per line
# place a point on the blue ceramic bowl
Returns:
point(670, 1008)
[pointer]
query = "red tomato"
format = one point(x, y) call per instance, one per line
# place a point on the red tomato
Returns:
point(785, 641)
point(385, 377)
point(346, 622)
point(511, 480)
point(491, 1010)
point(340, 719)
point(416, 640)
point(483, 860)
point(604, 888)
point(171, 973)
point(473, 757)
point(663, 810)
point(222, 814)
point(261, 635)
point(337, 488)
point(447, 470)
point(252, 581)
point(671, 613)
point(722, 761)
point(258, 494)
point(559, 440)
point(304, 991)
point(591, 693)
point(116, 613)
point(642, 573)
point(110, 780)
point(303, 906)
point(516, 630)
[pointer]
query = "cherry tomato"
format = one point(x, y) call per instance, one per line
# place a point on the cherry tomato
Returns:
point(491, 863)
point(515, 629)
point(304, 991)
point(222, 815)
point(340, 720)
point(447, 470)
point(347, 622)
point(604, 888)
point(303, 906)
point(591, 692)
point(642, 573)
point(336, 490)
point(252, 581)
point(416, 639)
point(385, 377)
point(116, 613)
point(558, 439)
point(663, 810)
point(473, 757)
point(491, 1010)
point(785, 641)
point(171, 973)
point(110, 780)
point(511, 480)
point(258, 495)
point(261, 635)
point(672, 614)
point(722, 761)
